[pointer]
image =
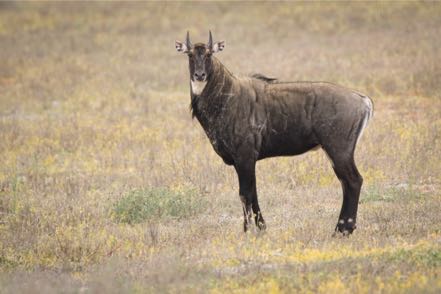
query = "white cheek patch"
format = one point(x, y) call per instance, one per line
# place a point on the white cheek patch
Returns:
point(197, 87)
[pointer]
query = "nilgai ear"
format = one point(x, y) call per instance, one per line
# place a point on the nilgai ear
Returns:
point(181, 47)
point(218, 46)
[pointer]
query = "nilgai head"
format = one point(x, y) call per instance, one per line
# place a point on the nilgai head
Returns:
point(199, 56)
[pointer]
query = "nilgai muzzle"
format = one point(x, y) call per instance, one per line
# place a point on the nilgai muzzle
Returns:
point(255, 117)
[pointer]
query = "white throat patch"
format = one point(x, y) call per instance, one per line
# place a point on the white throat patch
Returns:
point(197, 86)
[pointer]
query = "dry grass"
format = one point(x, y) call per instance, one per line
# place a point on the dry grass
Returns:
point(94, 104)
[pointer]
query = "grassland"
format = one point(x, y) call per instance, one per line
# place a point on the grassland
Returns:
point(108, 185)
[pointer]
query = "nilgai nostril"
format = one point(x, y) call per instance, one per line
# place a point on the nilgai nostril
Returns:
point(199, 76)
point(251, 118)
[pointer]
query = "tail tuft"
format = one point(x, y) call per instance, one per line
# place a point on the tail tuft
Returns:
point(369, 114)
point(370, 105)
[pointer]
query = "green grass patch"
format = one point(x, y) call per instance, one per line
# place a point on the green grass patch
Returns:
point(428, 257)
point(389, 194)
point(5, 263)
point(151, 204)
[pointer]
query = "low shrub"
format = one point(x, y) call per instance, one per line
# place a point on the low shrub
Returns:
point(148, 204)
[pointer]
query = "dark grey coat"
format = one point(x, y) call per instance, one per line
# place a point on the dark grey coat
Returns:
point(266, 118)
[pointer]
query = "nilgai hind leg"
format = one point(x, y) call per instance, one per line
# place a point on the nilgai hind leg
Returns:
point(351, 181)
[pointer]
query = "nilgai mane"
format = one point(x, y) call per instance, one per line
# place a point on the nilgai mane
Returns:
point(256, 117)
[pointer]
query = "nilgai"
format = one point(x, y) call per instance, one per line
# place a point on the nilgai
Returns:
point(256, 117)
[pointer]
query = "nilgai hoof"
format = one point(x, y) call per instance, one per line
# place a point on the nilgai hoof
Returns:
point(261, 226)
point(345, 227)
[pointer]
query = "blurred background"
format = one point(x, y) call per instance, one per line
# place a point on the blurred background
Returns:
point(107, 184)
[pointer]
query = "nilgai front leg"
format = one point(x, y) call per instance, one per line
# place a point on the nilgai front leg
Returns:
point(246, 172)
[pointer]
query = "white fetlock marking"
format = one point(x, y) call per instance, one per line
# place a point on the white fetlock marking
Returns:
point(341, 221)
point(247, 210)
point(350, 220)
point(249, 215)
